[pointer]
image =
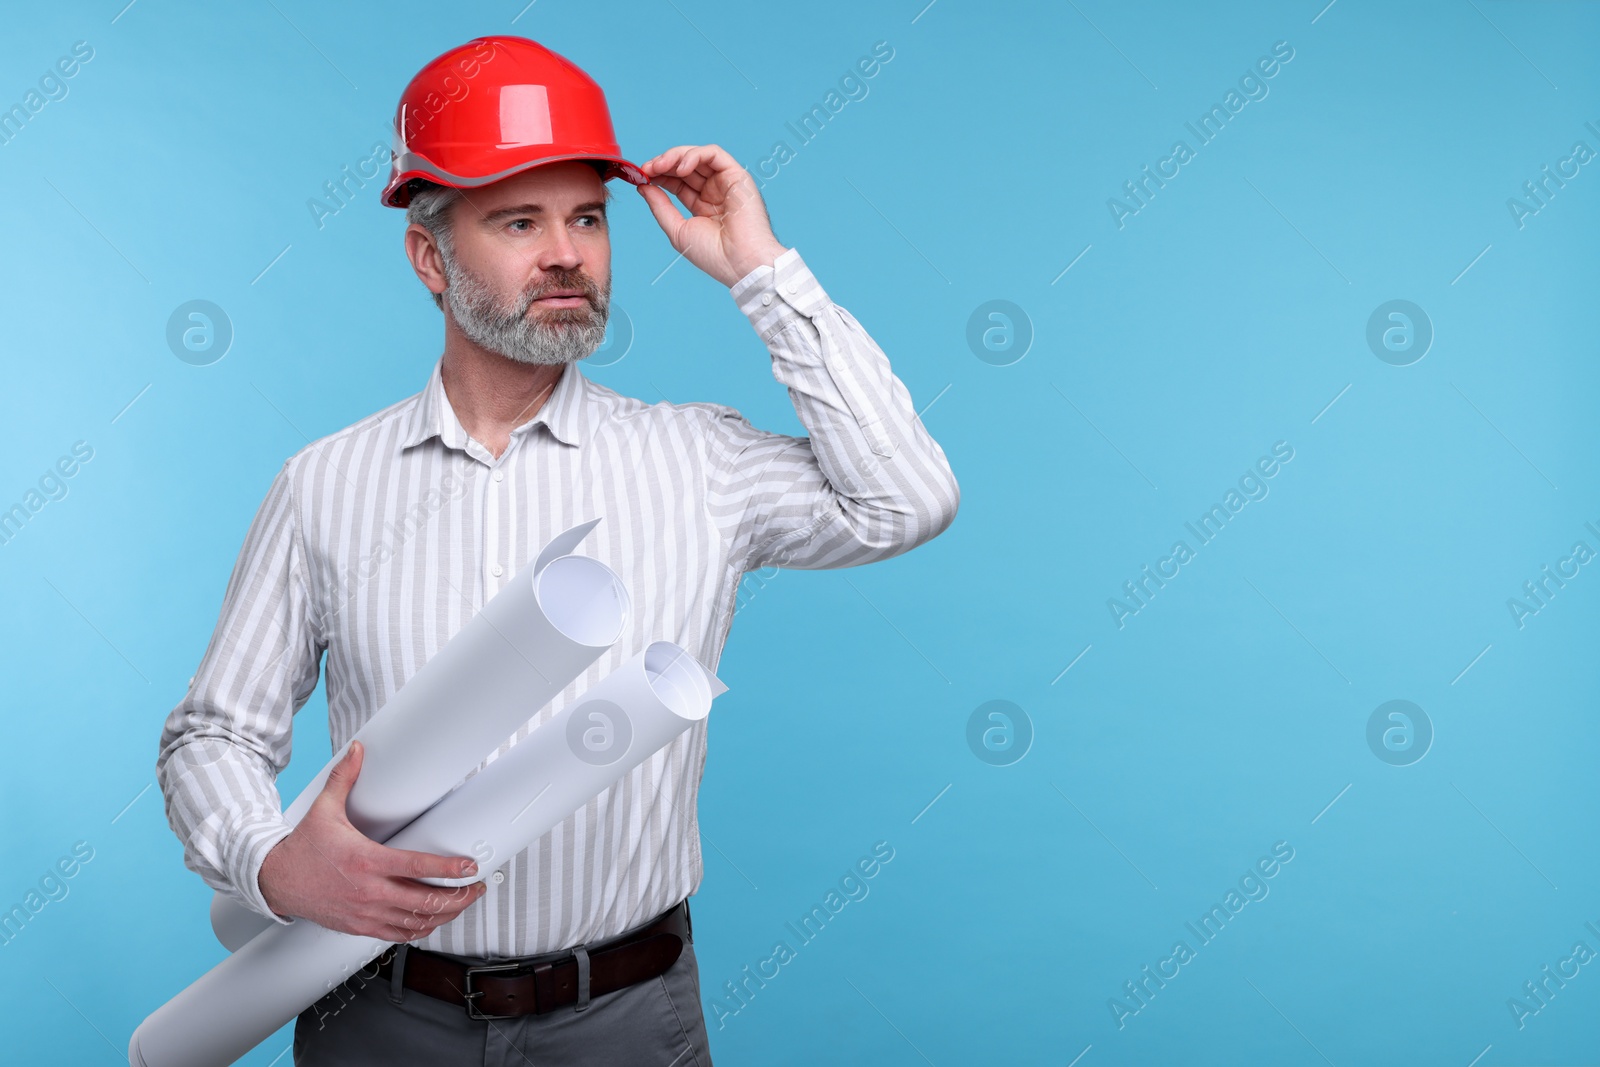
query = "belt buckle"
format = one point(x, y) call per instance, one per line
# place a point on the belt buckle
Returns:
point(472, 995)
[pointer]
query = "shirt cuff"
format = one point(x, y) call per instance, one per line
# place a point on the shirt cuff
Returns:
point(776, 297)
point(247, 878)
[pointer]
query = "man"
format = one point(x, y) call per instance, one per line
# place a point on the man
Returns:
point(377, 543)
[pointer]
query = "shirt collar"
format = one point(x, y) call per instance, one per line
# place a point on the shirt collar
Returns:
point(564, 412)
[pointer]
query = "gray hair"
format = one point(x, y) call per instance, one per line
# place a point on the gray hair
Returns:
point(430, 208)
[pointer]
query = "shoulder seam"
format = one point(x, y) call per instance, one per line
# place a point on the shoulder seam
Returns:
point(367, 423)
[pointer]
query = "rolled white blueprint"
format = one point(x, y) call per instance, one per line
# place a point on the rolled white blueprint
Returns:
point(612, 727)
point(589, 745)
point(529, 642)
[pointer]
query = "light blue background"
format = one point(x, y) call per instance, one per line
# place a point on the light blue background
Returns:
point(1225, 316)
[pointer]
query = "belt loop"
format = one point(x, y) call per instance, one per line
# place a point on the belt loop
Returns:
point(397, 974)
point(582, 955)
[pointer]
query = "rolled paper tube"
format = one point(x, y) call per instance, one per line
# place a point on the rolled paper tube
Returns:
point(617, 724)
point(526, 645)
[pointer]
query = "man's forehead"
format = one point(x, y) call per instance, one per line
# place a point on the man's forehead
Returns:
point(554, 187)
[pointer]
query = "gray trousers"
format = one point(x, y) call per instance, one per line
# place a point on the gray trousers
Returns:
point(654, 1023)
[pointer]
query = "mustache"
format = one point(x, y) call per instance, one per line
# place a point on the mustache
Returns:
point(558, 280)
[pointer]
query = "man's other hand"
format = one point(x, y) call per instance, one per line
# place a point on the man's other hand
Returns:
point(328, 871)
point(727, 233)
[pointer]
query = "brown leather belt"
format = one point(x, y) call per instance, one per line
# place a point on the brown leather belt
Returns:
point(538, 984)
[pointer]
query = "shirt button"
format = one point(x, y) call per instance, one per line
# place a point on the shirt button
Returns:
point(497, 571)
point(499, 476)
point(794, 287)
point(766, 300)
point(497, 877)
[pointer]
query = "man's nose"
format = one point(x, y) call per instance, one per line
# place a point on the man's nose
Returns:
point(560, 252)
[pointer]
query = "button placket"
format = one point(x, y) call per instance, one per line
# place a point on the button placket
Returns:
point(491, 534)
point(507, 485)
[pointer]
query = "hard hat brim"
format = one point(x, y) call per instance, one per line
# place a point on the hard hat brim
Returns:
point(410, 166)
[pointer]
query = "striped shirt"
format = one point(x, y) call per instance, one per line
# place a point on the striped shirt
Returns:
point(377, 543)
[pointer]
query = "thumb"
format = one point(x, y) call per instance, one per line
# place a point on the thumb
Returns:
point(667, 216)
point(343, 776)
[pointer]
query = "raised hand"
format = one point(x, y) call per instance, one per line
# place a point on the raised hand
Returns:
point(727, 233)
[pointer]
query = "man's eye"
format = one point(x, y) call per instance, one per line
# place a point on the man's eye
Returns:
point(594, 219)
point(519, 222)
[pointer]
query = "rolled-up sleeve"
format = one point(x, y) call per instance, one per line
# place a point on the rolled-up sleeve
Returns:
point(869, 482)
point(225, 743)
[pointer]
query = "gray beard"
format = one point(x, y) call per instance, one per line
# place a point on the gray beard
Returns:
point(561, 335)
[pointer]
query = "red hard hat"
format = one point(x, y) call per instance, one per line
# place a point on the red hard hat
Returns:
point(496, 106)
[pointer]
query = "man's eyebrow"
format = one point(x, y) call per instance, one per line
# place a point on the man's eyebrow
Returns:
point(592, 207)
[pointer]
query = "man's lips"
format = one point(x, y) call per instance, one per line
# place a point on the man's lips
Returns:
point(562, 300)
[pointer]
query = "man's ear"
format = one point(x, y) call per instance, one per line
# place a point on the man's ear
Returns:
point(423, 252)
